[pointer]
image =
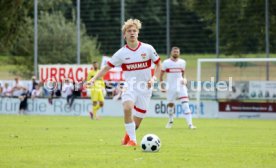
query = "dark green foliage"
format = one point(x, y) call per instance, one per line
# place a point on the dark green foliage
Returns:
point(13, 17)
point(242, 24)
point(56, 39)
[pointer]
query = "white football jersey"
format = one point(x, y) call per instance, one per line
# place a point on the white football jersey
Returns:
point(174, 70)
point(136, 63)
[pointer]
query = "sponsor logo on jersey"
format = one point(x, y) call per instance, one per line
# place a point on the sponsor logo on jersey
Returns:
point(136, 65)
point(144, 55)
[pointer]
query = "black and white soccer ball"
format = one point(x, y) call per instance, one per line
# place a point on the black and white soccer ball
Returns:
point(150, 143)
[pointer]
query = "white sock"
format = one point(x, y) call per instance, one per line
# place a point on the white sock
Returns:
point(188, 117)
point(171, 113)
point(187, 111)
point(130, 129)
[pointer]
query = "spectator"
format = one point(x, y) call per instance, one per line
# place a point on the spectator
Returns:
point(23, 107)
point(67, 92)
point(76, 92)
point(41, 88)
point(34, 82)
point(33, 85)
point(77, 89)
point(37, 92)
point(7, 90)
point(55, 91)
point(17, 87)
point(58, 90)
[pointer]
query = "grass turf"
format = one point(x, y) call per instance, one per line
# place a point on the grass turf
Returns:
point(58, 141)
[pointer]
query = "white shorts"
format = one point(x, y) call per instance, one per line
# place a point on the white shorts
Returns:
point(141, 101)
point(180, 94)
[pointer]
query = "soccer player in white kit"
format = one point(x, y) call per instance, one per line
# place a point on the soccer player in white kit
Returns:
point(174, 67)
point(135, 59)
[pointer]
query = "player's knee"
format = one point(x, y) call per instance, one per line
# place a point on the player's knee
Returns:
point(127, 108)
point(101, 104)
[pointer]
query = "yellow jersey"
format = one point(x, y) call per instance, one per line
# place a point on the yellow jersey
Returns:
point(99, 83)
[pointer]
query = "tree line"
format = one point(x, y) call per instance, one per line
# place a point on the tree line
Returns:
point(192, 27)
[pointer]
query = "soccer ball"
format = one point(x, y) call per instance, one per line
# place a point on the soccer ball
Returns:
point(150, 143)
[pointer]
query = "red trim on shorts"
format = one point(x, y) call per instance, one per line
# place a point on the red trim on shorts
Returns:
point(139, 44)
point(136, 65)
point(155, 62)
point(140, 110)
point(184, 97)
point(109, 64)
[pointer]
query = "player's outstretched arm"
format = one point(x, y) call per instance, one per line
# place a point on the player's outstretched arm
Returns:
point(157, 71)
point(100, 74)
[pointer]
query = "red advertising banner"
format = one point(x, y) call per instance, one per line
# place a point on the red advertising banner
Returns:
point(247, 107)
point(58, 72)
point(78, 73)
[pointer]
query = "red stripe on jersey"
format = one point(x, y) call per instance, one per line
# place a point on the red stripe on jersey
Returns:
point(136, 65)
point(174, 70)
point(139, 44)
point(140, 110)
point(109, 64)
point(155, 62)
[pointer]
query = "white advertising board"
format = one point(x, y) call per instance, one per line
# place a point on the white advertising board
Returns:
point(262, 90)
point(157, 108)
point(81, 107)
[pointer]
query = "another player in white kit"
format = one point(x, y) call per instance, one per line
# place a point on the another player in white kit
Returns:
point(135, 59)
point(176, 86)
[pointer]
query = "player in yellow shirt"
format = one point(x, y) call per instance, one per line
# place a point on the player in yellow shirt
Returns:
point(97, 95)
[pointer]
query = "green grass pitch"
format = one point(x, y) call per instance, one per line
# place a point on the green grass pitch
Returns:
point(58, 141)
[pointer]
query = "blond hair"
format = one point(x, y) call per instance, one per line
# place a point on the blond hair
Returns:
point(131, 22)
